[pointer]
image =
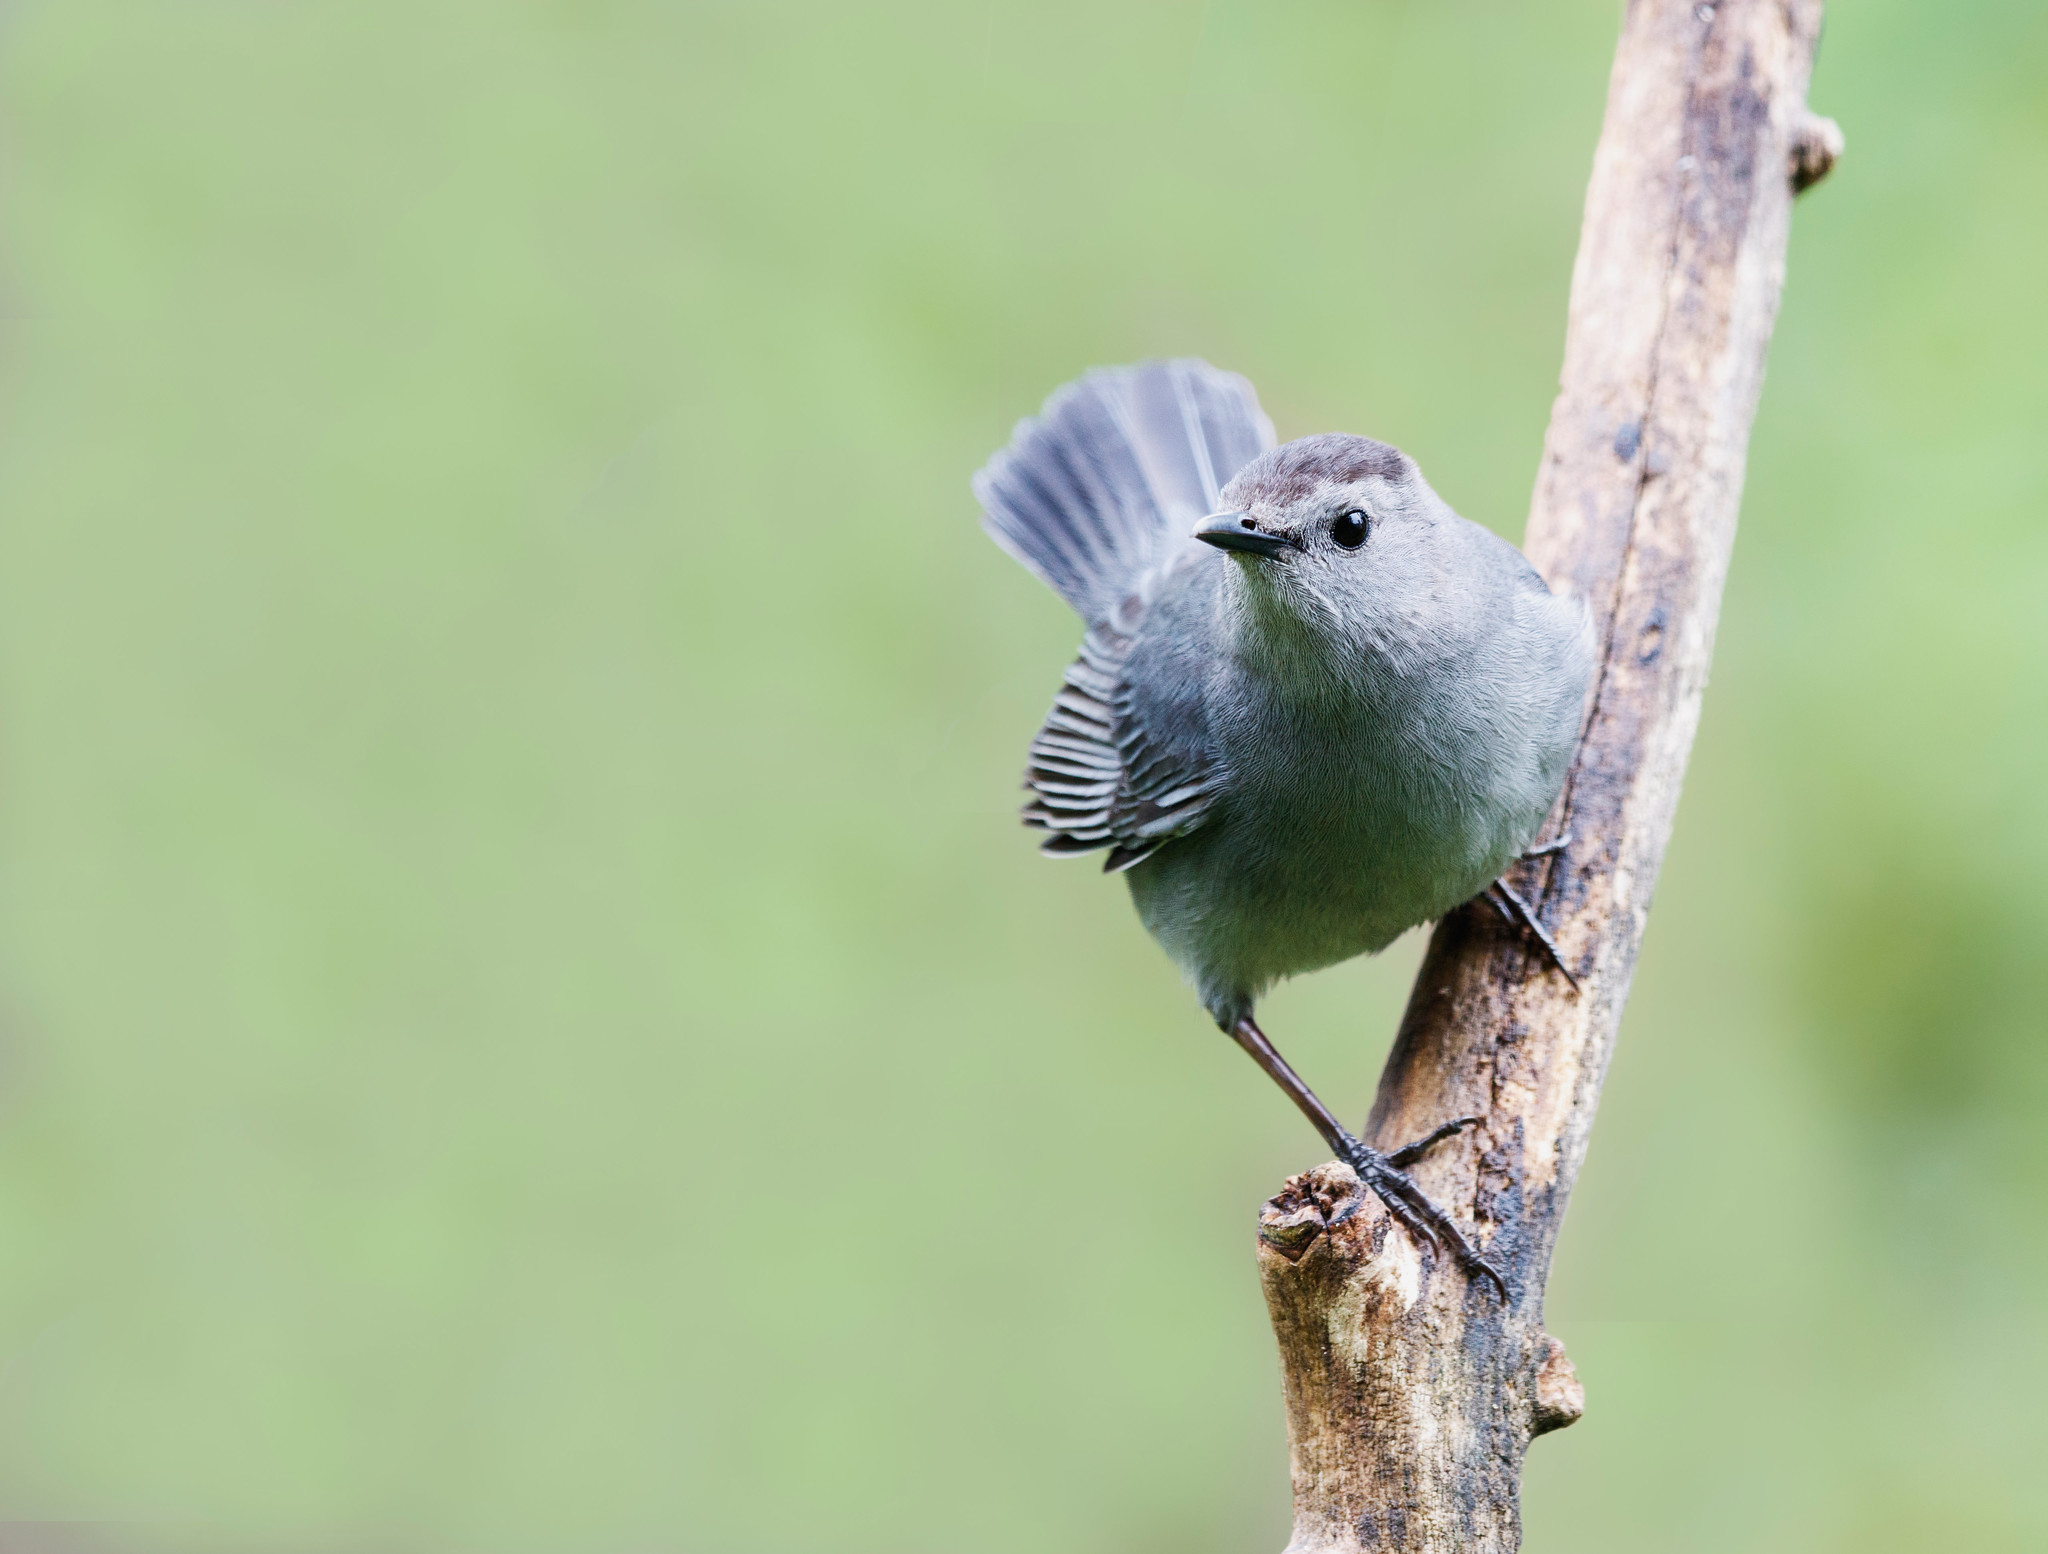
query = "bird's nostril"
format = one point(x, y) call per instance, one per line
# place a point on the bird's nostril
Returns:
point(1247, 523)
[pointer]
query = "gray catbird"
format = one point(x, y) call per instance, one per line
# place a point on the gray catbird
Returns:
point(1314, 707)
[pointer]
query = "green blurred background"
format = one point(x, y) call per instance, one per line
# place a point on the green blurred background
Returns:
point(529, 1023)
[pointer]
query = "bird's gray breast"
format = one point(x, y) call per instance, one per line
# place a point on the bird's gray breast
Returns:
point(1351, 816)
point(1359, 801)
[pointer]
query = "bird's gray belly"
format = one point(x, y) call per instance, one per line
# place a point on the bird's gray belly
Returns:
point(1337, 859)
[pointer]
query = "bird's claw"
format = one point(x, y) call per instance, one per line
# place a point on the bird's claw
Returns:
point(1410, 1205)
point(1408, 1154)
point(1519, 913)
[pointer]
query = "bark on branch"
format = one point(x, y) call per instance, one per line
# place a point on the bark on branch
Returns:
point(1412, 1392)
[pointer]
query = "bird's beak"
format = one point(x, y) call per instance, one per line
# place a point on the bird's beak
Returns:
point(1241, 532)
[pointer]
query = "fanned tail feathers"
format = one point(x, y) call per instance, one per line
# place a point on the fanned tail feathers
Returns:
point(1115, 469)
point(1098, 492)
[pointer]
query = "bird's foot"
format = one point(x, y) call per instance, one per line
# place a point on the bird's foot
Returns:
point(1551, 848)
point(1518, 912)
point(1411, 1206)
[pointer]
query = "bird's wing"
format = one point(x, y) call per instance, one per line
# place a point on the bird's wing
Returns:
point(1124, 760)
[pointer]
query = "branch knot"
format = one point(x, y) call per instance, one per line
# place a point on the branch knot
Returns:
point(1817, 144)
point(1560, 1395)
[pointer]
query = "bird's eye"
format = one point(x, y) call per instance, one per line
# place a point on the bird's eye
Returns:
point(1348, 529)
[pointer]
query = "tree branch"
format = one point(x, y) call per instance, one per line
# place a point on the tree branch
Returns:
point(1412, 1393)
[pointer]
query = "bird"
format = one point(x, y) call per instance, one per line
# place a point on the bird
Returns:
point(1313, 707)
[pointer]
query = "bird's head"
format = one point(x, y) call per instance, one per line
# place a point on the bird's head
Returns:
point(1335, 534)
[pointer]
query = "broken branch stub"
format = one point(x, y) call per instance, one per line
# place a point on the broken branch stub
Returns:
point(1412, 1392)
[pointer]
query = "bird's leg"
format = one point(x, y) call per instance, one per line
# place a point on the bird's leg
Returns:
point(1517, 911)
point(1381, 1172)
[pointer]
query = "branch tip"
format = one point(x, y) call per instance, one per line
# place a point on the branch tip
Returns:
point(1306, 1206)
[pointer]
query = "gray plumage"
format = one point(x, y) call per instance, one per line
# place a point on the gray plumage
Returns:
point(1294, 749)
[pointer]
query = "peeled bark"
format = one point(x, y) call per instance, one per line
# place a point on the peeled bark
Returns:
point(1412, 1390)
